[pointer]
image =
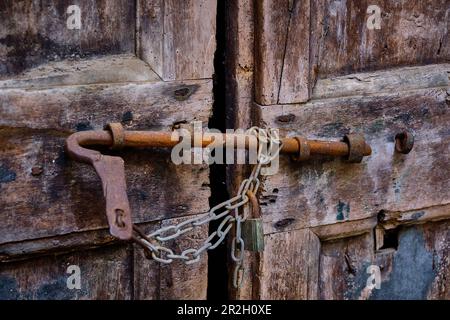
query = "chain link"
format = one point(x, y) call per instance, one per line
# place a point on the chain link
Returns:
point(269, 146)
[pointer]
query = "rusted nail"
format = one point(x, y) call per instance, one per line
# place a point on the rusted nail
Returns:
point(37, 170)
point(404, 142)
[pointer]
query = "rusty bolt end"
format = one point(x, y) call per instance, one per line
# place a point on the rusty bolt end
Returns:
point(404, 142)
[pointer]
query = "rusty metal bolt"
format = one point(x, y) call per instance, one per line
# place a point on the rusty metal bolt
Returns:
point(404, 142)
point(356, 147)
point(304, 151)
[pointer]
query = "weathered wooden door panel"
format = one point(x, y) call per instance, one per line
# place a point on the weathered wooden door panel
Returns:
point(46, 278)
point(55, 80)
point(300, 41)
point(323, 69)
point(416, 269)
point(330, 191)
point(36, 32)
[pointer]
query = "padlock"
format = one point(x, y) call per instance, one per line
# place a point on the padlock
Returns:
point(252, 227)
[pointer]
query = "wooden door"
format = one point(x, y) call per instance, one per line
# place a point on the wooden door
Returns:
point(67, 66)
point(323, 69)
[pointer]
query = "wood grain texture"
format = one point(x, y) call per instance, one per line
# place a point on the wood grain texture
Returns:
point(177, 38)
point(148, 105)
point(384, 81)
point(109, 69)
point(325, 190)
point(34, 32)
point(239, 75)
point(295, 83)
point(239, 63)
point(153, 280)
point(282, 52)
point(290, 266)
point(105, 274)
point(415, 269)
point(343, 266)
point(412, 33)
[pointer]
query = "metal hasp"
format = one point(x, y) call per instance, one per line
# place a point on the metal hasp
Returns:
point(111, 169)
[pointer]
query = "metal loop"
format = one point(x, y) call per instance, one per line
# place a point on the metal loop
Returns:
point(241, 250)
point(159, 259)
point(304, 151)
point(117, 134)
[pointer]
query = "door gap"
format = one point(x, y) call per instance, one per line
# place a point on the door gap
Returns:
point(217, 258)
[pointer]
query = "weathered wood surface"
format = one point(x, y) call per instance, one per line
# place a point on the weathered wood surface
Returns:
point(66, 196)
point(239, 63)
point(298, 42)
point(384, 81)
point(282, 51)
point(110, 69)
point(290, 266)
point(111, 272)
point(343, 266)
point(177, 38)
point(35, 32)
point(331, 191)
point(288, 269)
point(155, 105)
point(411, 33)
point(153, 280)
point(416, 269)
point(105, 274)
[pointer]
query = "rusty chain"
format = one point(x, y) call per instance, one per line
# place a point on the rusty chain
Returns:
point(269, 146)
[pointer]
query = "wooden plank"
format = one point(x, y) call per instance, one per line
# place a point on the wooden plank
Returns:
point(109, 69)
point(411, 33)
point(104, 274)
point(290, 266)
point(282, 51)
point(390, 219)
point(177, 280)
point(384, 81)
point(59, 244)
point(148, 105)
point(271, 26)
point(295, 84)
point(239, 62)
point(343, 266)
point(35, 32)
point(177, 38)
point(325, 190)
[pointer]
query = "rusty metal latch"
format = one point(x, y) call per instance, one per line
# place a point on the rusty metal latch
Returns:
point(112, 174)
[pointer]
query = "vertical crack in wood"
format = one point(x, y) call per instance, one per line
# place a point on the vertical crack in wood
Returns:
point(290, 10)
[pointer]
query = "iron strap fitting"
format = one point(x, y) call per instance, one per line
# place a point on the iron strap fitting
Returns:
point(232, 213)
